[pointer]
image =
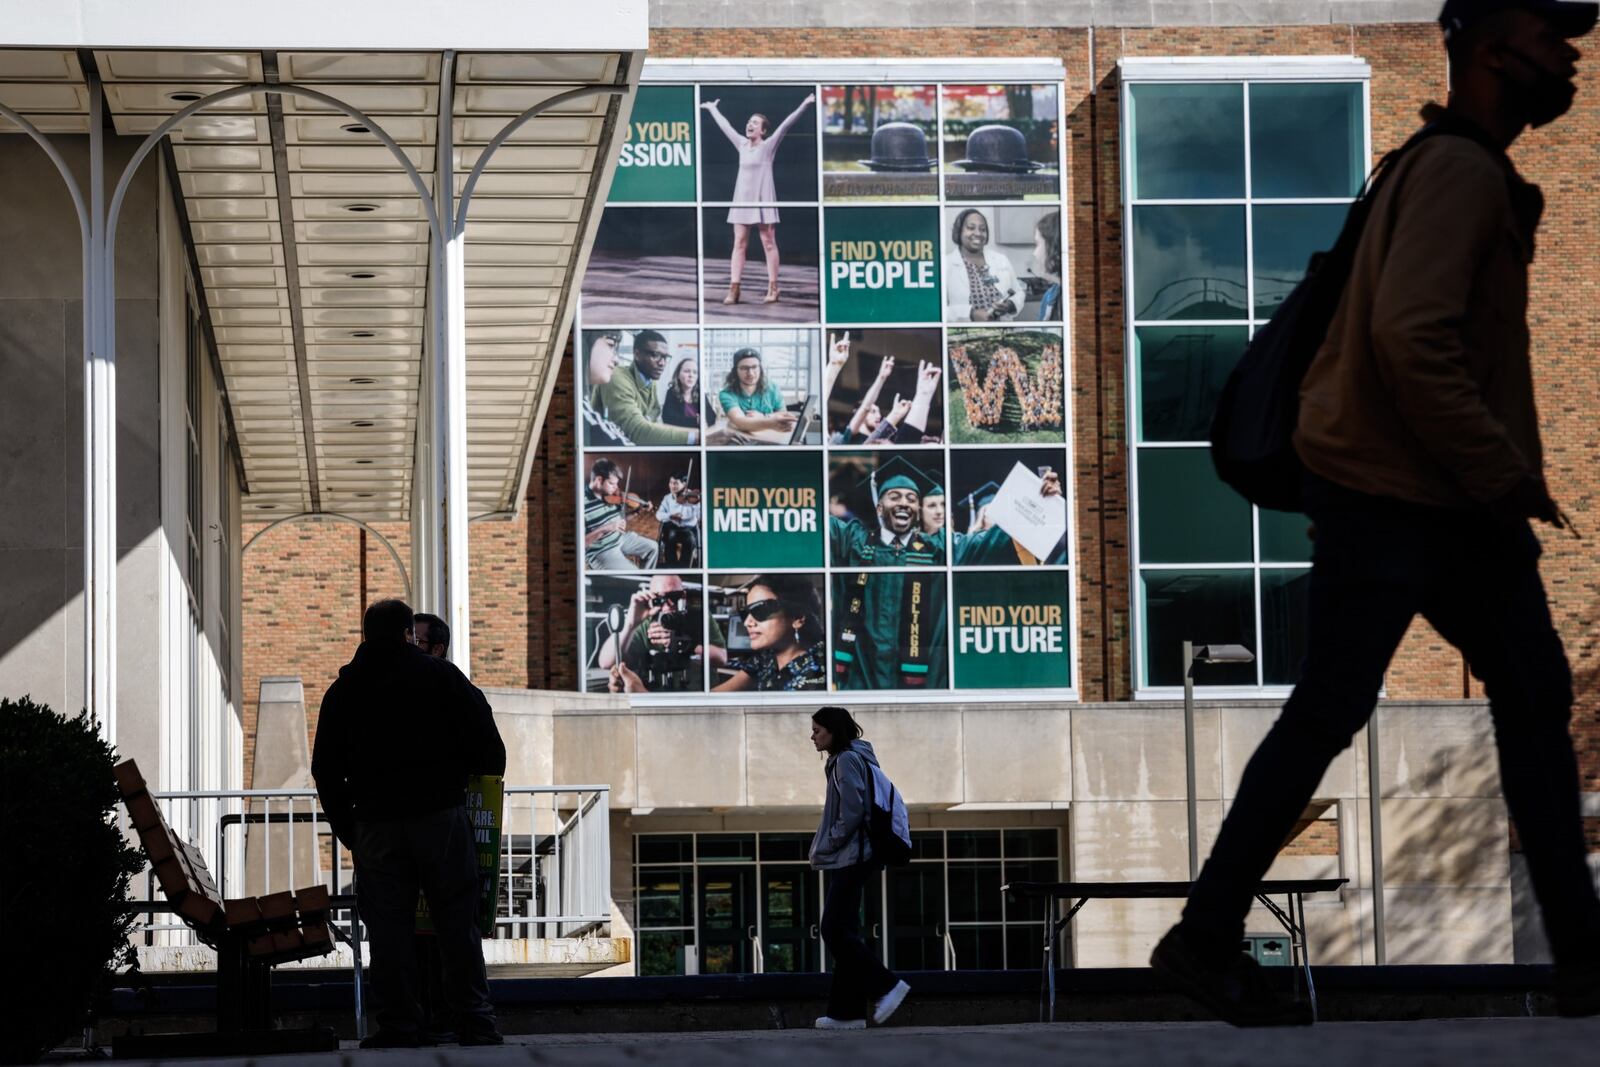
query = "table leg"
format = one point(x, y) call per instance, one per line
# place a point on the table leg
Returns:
point(1299, 957)
point(1299, 899)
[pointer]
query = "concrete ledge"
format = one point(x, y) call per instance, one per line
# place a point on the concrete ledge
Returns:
point(546, 957)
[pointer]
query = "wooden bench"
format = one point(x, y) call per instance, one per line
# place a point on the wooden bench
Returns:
point(1292, 918)
point(251, 934)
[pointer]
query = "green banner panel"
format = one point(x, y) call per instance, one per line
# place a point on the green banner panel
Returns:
point(765, 510)
point(656, 163)
point(1012, 630)
point(882, 264)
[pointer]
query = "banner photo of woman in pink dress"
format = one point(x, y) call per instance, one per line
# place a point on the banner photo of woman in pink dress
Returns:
point(759, 183)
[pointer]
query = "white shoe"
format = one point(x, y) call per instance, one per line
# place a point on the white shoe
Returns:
point(889, 1003)
point(830, 1023)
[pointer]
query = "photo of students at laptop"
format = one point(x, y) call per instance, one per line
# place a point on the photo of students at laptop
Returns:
point(884, 387)
point(761, 385)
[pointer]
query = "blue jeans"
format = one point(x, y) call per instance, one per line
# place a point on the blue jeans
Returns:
point(859, 978)
point(1376, 564)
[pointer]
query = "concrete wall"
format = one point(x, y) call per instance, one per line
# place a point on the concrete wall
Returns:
point(41, 439)
point(1114, 775)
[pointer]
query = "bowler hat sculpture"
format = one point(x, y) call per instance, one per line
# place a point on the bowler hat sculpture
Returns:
point(899, 146)
point(999, 149)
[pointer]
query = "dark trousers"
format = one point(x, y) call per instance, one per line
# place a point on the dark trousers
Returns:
point(680, 545)
point(859, 979)
point(434, 854)
point(1376, 564)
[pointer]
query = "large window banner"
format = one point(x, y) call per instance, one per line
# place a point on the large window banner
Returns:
point(821, 394)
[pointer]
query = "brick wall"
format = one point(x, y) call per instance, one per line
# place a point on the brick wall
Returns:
point(1408, 69)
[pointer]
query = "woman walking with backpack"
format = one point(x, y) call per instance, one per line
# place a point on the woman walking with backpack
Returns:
point(862, 986)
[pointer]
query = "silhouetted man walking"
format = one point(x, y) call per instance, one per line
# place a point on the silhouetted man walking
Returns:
point(1419, 435)
point(398, 733)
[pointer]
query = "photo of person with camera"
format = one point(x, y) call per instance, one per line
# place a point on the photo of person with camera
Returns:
point(659, 648)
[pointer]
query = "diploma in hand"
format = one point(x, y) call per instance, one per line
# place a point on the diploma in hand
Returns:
point(1035, 522)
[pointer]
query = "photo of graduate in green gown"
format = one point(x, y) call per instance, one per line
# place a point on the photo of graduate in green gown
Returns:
point(889, 628)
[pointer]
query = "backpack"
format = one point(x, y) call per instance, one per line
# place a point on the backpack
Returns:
point(887, 827)
point(1252, 431)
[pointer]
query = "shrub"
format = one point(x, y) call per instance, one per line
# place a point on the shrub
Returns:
point(66, 865)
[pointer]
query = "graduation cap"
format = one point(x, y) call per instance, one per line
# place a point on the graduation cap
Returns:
point(899, 473)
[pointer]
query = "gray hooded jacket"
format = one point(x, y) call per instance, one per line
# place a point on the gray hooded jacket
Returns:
point(840, 841)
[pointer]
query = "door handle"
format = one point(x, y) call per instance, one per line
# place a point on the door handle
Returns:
point(875, 934)
point(815, 933)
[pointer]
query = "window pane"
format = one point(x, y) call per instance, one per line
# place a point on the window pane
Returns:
point(1188, 263)
point(664, 897)
point(726, 847)
point(1023, 843)
point(1284, 602)
point(1306, 140)
point(927, 844)
point(975, 844)
point(661, 951)
point(785, 846)
point(1285, 236)
point(665, 848)
point(979, 948)
point(1182, 370)
point(1025, 948)
point(1188, 141)
point(1186, 514)
point(975, 892)
point(1031, 908)
point(1284, 537)
point(1206, 607)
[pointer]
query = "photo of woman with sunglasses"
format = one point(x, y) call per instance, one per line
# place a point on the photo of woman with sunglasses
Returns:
point(782, 616)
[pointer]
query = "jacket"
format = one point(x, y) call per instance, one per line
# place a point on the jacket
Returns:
point(631, 403)
point(958, 288)
point(397, 736)
point(841, 839)
point(1422, 390)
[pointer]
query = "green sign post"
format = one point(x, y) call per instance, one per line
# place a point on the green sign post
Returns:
point(765, 509)
point(1011, 630)
point(882, 266)
point(656, 163)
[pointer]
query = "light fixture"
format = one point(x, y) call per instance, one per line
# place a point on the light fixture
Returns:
point(363, 423)
point(364, 496)
point(355, 127)
point(1193, 656)
point(363, 334)
point(265, 507)
point(363, 381)
point(361, 208)
point(187, 96)
point(363, 462)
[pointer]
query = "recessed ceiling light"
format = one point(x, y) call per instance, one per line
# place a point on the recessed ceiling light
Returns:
point(363, 333)
point(361, 208)
point(187, 96)
point(355, 127)
point(366, 495)
point(363, 381)
point(265, 507)
point(363, 275)
point(363, 462)
point(363, 423)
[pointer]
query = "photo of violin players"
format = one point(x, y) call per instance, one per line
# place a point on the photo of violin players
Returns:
point(642, 511)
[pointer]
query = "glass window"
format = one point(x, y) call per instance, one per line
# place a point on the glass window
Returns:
point(974, 844)
point(725, 847)
point(1182, 370)
point(1205, 607)
point(663, 951)
point(664, 897)
point(666, 848)
point(1284, 595)
point(1188, 262)
point(785, 846)
point(1286, 158)
point(1188, 141)
point(1306, 139)
point(1286, 235)
point(1186, 514)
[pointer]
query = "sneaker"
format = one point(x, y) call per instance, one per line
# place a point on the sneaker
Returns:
point(889, 1002)
point(1234, 990)
point(1577, 989)
point(397, 1039)
point(827, 1022)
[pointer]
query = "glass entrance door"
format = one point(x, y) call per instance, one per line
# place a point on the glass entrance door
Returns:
point(916, 918)
point(727, 919)
point(790, 914)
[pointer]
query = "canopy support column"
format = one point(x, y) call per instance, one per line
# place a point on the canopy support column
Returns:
point(99, 443)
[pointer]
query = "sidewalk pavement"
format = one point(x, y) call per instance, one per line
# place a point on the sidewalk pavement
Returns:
point(1447, 1043)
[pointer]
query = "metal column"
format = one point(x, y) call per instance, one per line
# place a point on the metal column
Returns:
point(99, 444)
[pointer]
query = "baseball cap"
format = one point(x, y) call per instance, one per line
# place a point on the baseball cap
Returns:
point(1572, 18)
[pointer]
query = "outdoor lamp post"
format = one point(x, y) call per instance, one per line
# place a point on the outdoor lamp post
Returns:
point(1194, 655)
